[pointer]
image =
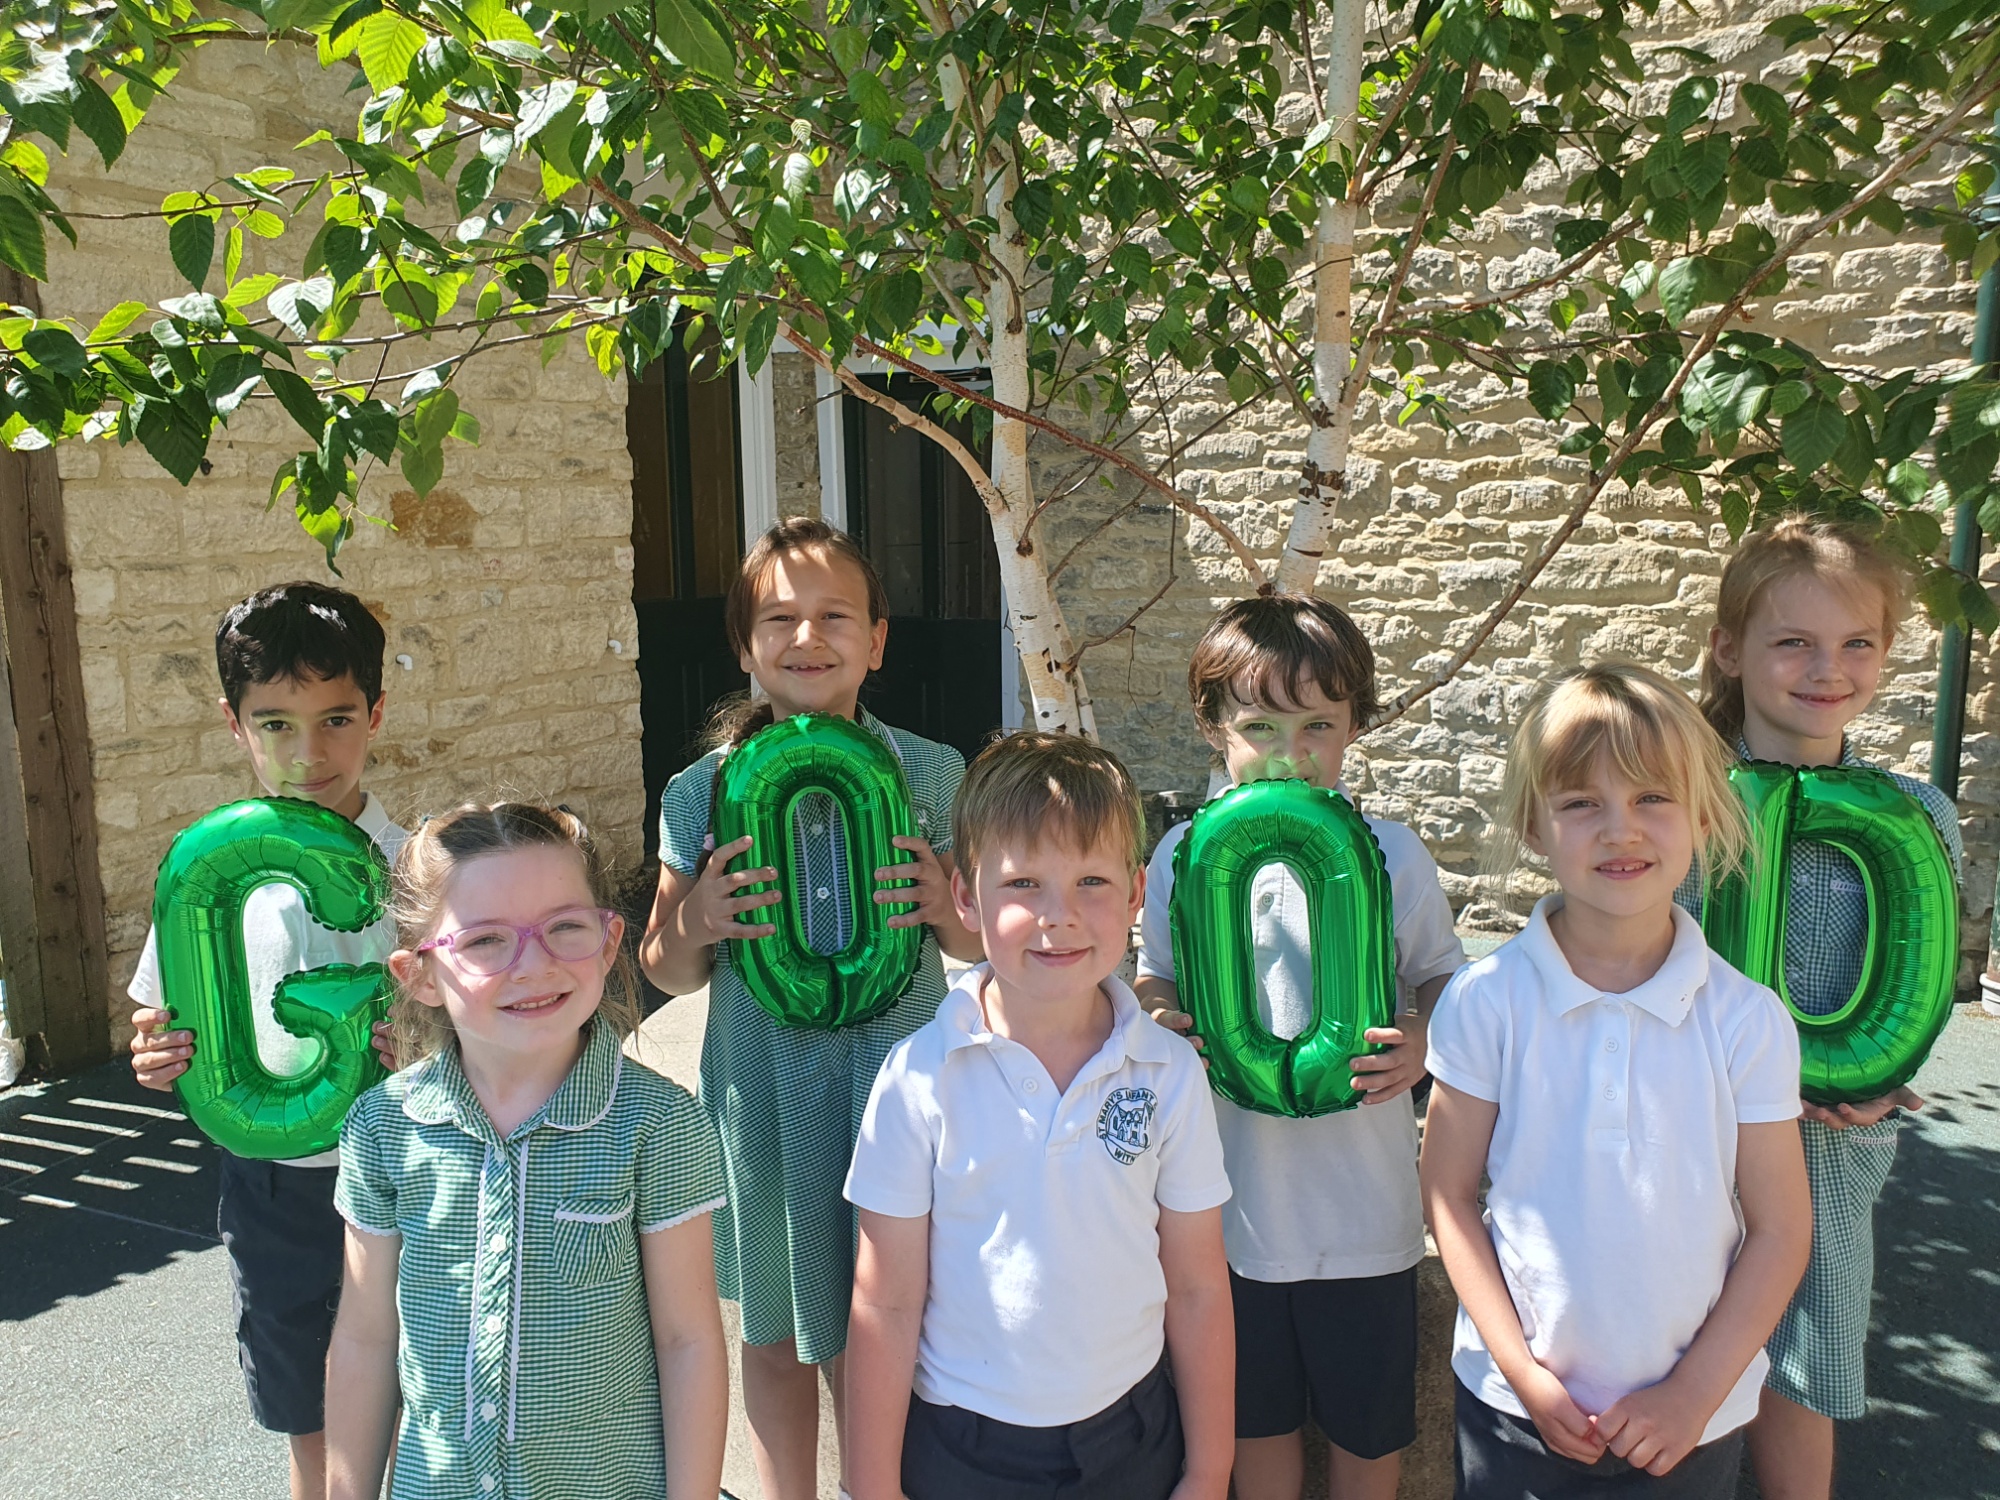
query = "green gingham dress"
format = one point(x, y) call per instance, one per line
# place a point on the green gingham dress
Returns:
point(788, 1101)
point(525, 1348)
point(1817, 1349)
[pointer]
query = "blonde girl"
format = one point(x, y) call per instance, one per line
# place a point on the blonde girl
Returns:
point(1807, 615)
point(807, 617)
point(1634, 1101)
point(529, 1272)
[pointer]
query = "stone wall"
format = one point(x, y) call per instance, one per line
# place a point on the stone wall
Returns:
point(504, 589)
point(1438, 524)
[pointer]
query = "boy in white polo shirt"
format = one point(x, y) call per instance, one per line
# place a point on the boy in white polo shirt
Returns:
point(1041, 1304)
point(1325, 1230)
point(1634, 1102)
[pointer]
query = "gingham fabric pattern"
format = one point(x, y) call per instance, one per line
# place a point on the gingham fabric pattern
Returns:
point(525, 1352)
point(786, 1101)
point(1817, 1349)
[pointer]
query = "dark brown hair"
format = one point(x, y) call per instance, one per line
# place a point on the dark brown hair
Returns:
point(1033, 784)
point(436, 852)
point(742, 715)
point(1840, 555)
point(1267, 649)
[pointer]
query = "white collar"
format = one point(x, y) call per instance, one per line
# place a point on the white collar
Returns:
point(1669, 994)
point(1139, 1037)
point(373, 819)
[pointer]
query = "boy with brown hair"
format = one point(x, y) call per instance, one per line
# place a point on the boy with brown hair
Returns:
point(1325, 1229)
point(1040, 1184)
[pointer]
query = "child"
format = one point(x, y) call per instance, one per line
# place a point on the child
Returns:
point(528, 1251)
point(301, 669)
point(1807, 614)
point(807, 617)
point(1325, 1229)
point(1634, 1101)
point(1040, 1182)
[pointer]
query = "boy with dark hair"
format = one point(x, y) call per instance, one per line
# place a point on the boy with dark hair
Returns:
point(1325, 1229)
point(301, 670)
point(1039, 1184)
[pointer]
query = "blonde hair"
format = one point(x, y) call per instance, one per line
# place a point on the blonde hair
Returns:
point(1032, 784)
point(1838, 554)
point(438, 850)
point(1652, 734)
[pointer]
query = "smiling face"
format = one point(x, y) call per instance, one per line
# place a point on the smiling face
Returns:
point(1616, 846)
point(812, 644)
point(1810, 657)
point(1056, 919)
point(1305, 741)
point(307, 738)
point(540, 1001)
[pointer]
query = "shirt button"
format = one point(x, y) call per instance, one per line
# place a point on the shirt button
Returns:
point(488, 1412)
point(1611, 1044)
point(494, 1322)
point(497, 1244)
point(823, 893)
point(1031, 1086)
point(818, 829)
point(488, 1483)
point(1610, 1092)
point(1264, 902)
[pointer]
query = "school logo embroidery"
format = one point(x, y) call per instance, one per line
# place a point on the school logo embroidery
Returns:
point(1125, 1124)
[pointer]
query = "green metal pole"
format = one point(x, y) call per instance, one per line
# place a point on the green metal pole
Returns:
point(1955, 652)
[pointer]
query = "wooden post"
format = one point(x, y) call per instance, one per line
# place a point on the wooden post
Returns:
point(52, 915)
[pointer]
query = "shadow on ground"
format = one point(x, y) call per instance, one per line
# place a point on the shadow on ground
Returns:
point(99, 1180)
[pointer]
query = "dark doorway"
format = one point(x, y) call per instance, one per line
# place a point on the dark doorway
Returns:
point(928, 535)
point(687, 540)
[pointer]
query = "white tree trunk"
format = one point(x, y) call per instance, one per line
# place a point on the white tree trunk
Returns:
point(1048, 657)
point(1325, 477)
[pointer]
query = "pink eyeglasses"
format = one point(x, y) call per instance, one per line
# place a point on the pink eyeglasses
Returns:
point(495, 947)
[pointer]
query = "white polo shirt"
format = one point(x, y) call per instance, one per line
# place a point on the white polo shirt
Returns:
point(1047, 1302)
point(280, 938)
point(1613, 1164)
point(1336, 1196)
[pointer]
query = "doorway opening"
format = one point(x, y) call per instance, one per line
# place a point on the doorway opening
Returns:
point(683, 428)
point(921, 522)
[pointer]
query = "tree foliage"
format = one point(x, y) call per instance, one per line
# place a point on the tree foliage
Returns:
point(1128, 190)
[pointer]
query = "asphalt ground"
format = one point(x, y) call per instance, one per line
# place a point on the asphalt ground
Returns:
point(118, 1376)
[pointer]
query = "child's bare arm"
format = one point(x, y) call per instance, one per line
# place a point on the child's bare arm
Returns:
point(361, 1386)
point(1201, 1342)
point(679, 1267)
point(1383, 1075)
point(892, 1270)
point(1656, 1428)
point(691, 914)
point(1458, 1131)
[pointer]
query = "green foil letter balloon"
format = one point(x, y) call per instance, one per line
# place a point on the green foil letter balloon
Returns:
point(761, 783)
point(1879, 1037)
point(1329, 847)
point(198, 910)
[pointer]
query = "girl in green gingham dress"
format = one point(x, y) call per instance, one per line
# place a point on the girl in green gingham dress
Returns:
point(807, 617)
point(1806, 615)
point(528, 1306)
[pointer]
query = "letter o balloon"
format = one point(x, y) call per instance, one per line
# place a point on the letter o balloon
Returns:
point(1878, 1038)
point(208, 873)
point(1329, 847)
point(761, 782)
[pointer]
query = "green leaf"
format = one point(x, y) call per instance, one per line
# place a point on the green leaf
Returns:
point(872, 101)
point(1768, 105)
point(191, 240)
point(539, 106)
point(299, 305)
point(1907, 425)
point(695, 33)
point(232, 380)
point(115, 322)
point(21, 239)
point(232, 254)
point(1814, 433)
point(252, 288)
point(389, 44)
point(175, 443)
point(1551, 388)
point(423, 468)
point(97, 117)
point(1907, 483)
point(1133, 263)
point(1684, 286)
point(54, 347)
point(1788, 396)
point(298, 397)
